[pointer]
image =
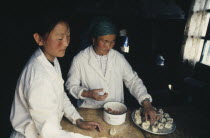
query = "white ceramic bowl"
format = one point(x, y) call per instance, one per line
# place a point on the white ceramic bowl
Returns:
point(114, 119)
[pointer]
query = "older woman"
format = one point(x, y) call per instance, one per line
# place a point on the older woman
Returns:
point(97, 73)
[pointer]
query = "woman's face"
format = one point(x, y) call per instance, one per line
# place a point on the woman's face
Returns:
point(55, 44)
point(103, 44)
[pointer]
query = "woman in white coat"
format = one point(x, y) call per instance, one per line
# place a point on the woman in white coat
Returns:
point(97, 73)
point(40, 101)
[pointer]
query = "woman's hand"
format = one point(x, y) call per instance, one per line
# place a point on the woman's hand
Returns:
point(93, 94)
point(89, 125)
point(150, 112)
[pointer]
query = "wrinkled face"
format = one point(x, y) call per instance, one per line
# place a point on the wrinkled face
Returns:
point(103, 44)
point(55, 44)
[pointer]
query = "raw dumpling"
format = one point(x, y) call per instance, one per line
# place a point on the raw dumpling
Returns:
point(163, 120)
point(145, 125)
point(166, 115)
point(169, 120)
point(137, 112)
point(160, 111)
point(137, 117)
point(154, 129)
point(160, 125)
point(168, 125)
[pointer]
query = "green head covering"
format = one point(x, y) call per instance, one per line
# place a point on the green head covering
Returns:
point(102, 26)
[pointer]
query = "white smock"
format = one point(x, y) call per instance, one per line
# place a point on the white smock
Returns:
point(40, 101)
point(87, 74)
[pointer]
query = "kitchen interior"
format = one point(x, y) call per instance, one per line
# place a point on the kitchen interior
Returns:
point(169, 48)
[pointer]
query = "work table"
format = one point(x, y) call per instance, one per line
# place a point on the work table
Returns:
point(126, 130)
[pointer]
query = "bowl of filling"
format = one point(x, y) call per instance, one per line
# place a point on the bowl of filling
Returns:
point(114, 113)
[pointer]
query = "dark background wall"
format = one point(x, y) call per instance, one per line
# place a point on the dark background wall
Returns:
point(154, 27)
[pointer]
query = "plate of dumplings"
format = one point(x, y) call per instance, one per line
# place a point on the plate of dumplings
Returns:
point(163, 126)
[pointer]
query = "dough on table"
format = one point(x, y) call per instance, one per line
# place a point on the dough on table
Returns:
point(112, 131)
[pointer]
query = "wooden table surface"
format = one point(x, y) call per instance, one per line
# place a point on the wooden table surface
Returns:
point(126, 130)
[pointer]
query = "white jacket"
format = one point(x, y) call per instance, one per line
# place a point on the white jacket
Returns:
point(86, 74)
point(40, 101)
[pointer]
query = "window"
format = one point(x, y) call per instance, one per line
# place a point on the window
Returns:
point(205, 56)
point(196, 46)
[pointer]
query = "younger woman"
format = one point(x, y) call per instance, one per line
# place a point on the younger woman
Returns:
point(40, 101)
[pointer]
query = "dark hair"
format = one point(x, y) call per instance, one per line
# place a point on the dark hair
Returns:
point(47, 21)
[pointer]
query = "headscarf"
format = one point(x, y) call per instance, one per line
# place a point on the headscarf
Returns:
point(98, 26)
point(102, 26)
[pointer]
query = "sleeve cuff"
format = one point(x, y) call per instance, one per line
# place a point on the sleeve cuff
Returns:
point(80, 93)
point(146, 96)
point(74, 119)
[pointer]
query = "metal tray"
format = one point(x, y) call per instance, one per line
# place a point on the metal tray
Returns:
point(163, 131)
